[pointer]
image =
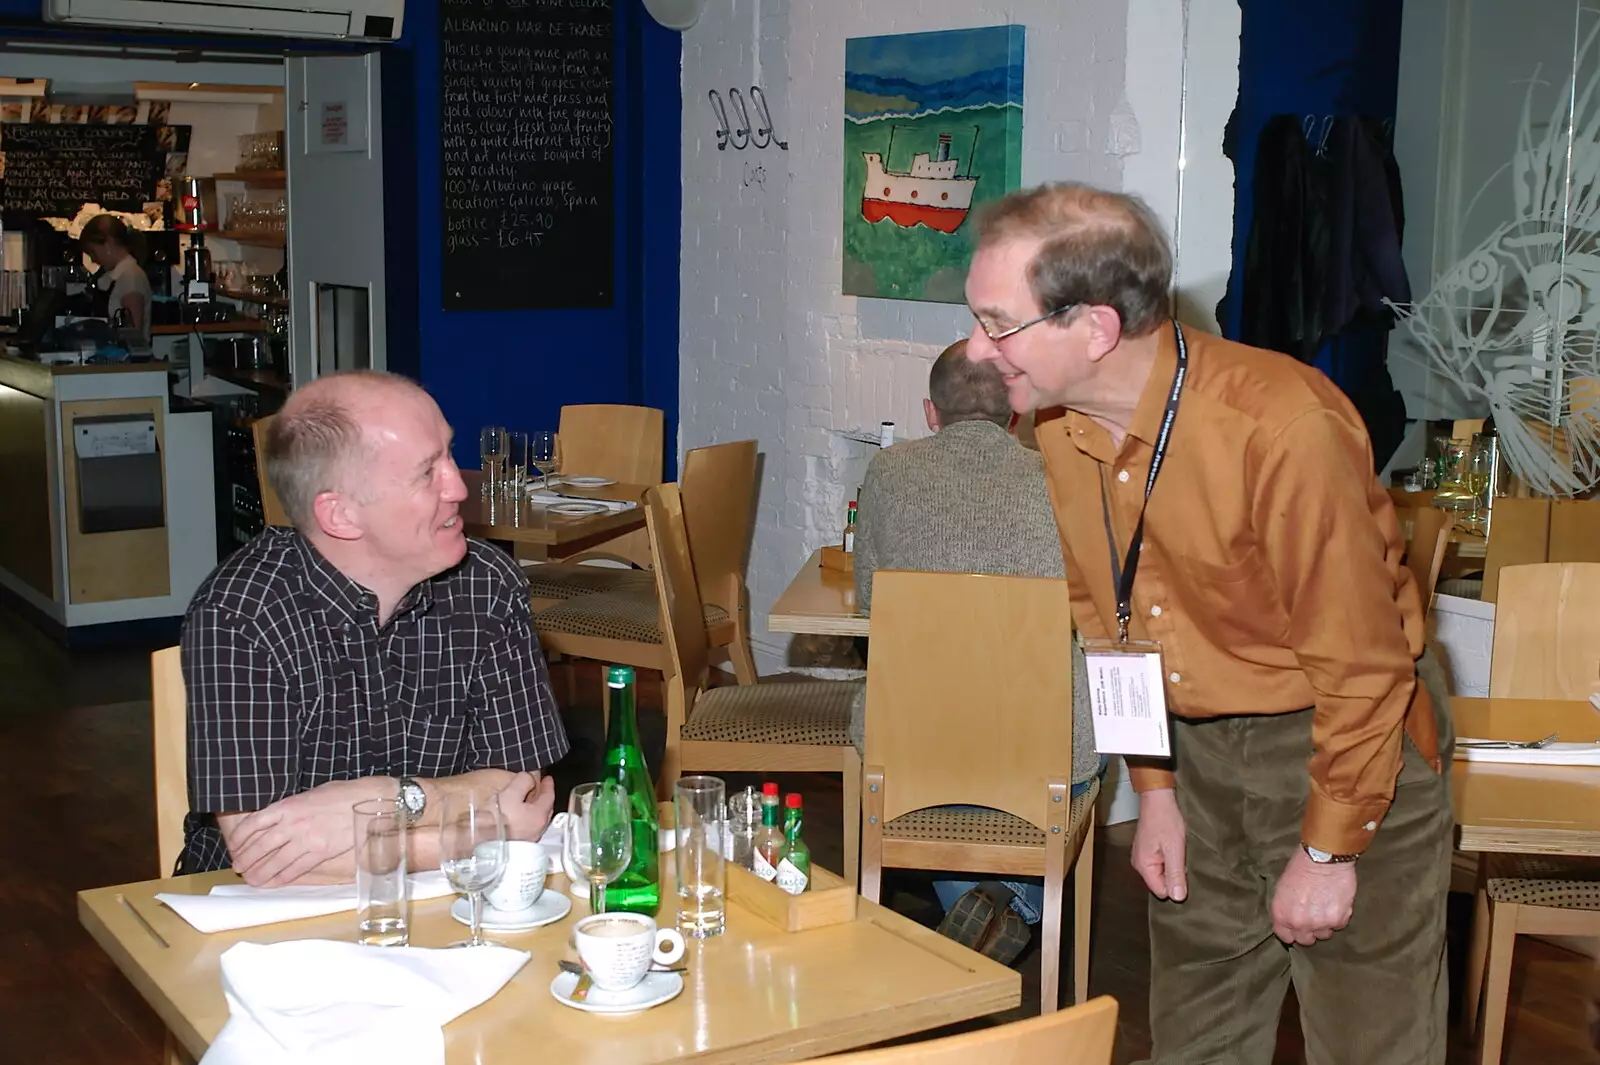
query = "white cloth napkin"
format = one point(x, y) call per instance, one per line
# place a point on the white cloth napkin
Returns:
point(242, 906)
point(546, 498)
point(317, 1002)
point(1554, 754)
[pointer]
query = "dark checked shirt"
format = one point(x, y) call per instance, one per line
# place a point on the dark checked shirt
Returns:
point(292, 683)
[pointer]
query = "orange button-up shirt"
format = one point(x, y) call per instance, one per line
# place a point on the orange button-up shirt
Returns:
point(1271, 572)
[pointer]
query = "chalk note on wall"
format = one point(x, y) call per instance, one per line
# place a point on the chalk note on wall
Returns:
point(525, 138)
point(50, 170)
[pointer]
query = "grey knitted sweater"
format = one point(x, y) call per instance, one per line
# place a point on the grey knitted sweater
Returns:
point(968, 499)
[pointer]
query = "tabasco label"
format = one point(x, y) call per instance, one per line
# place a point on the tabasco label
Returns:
point(763, 868)
point(790, 878)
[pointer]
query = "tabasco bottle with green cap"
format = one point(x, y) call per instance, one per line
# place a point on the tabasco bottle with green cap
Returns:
point(638, 889)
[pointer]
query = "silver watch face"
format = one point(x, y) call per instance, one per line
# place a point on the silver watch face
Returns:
point(1318, 856)
point(412, 795)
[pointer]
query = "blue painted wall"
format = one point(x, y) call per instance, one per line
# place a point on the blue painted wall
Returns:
point(518, 368)
point(1321, 57)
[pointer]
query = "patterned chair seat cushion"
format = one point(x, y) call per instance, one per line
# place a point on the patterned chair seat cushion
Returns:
point(809, 712)
point(630, 614)
point(980, 825)
point(1540, 880)
point(565, 580)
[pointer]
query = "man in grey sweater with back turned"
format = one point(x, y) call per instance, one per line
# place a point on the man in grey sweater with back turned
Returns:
point(935, 504)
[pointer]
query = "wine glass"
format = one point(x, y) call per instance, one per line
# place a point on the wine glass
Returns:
point(542, 454)
point(472, 849)
point(1475, 478)
point(599, 838)
point(492, 447)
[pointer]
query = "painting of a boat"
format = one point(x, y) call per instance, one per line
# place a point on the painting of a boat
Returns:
point(932, 193)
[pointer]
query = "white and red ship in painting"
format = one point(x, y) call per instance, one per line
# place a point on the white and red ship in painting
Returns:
point(929, 194)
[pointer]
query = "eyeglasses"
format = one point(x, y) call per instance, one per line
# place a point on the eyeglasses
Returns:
point(995, 338)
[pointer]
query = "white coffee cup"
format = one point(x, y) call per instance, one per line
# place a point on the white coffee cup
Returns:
point(618, 949)
point(523, 881)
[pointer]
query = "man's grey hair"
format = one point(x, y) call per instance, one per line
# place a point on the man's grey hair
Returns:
point(967, 391)
point(316, 442)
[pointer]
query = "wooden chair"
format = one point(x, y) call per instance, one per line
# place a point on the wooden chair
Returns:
point(169, 724)
point(1082, 1035)
point(1425, 548)
point(617, 441)
point(620, 619)
point(969, 703)
point(271, 507)
point(776, 727)
point(1546, 646)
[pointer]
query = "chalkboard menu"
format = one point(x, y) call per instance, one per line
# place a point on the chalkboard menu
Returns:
point(526, 142)
point(50, 170)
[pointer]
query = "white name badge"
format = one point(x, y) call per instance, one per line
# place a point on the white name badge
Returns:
point(1128, 696)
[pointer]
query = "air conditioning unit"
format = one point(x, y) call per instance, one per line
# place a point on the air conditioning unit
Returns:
point(362, 20)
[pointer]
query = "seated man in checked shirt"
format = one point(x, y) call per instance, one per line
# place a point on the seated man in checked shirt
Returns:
point(369, 651)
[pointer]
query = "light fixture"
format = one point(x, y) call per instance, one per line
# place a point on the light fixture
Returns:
point(675, 14)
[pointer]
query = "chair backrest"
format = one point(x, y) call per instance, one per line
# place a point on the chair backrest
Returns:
point(271, 507)
point(613, 440)
point(1082, 1035)
point(1425, 548)
point(683, 622)
point(169, 724)
point(1546, 632)
point(969, 691)
point(718, 491)
point(1519, 535)
point(1574, 531)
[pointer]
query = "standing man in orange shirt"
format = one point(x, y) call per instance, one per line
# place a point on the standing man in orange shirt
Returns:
point(1219, 514)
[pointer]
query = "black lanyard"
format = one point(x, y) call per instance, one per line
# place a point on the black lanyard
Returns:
point(1122, 575)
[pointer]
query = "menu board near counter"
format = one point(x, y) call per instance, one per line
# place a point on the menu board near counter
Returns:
point(525, 110)
point(50, 170)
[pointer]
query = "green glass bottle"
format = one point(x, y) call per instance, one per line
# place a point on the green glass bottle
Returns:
point(794, 868)
point(638, 889)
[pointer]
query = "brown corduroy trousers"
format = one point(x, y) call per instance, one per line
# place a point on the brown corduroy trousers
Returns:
point(1374, 994)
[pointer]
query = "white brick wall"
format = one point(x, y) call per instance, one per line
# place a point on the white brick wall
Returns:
point(771, 349)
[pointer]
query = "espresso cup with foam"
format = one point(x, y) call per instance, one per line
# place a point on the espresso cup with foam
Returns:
point(523, 881)
point(618, 949)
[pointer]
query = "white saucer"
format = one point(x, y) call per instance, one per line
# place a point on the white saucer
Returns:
point(551, 907)
point(588, 482)
point(576, 509)
point(653, 990)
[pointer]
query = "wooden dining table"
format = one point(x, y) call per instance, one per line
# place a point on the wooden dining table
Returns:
point(1522, 808)
point(754, 994)
point(820, 601)
point(537, 531)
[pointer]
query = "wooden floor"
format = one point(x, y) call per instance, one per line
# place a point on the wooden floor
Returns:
point(75, 766)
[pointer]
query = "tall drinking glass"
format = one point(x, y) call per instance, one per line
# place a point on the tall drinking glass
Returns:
point(599, 838)
point(492, 453)
point(542, 454)
point(380, 850)
point(516, 463)
point(700, 813)
point(472, 849)
point(1476, 476)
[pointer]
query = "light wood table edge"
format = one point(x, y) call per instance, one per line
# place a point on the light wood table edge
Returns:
point(817, 625)
point(1502, 839)
point(176, 1023)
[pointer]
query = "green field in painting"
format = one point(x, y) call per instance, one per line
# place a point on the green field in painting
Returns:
point(883, 259)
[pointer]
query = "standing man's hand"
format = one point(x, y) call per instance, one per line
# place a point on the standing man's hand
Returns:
point(1312, 901)
point(1158, 845)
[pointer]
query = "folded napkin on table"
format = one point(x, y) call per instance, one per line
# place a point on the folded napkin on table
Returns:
point(242, 906)
point(546, 498)
point(1552, 754)
point(317, 1002)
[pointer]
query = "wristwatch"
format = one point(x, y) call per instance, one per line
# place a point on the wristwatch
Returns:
point(1322, 857)
point(413, 798)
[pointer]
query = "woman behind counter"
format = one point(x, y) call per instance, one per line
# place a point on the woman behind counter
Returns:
point(106, 240)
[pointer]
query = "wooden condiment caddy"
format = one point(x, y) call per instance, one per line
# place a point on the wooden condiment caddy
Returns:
point(836, 557)
point(831, 900)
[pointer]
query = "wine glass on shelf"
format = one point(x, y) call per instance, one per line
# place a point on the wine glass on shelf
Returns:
point(1475, 479)
point(542, 454)
point(472, 849)
point(492, 447)
point(599, 838)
